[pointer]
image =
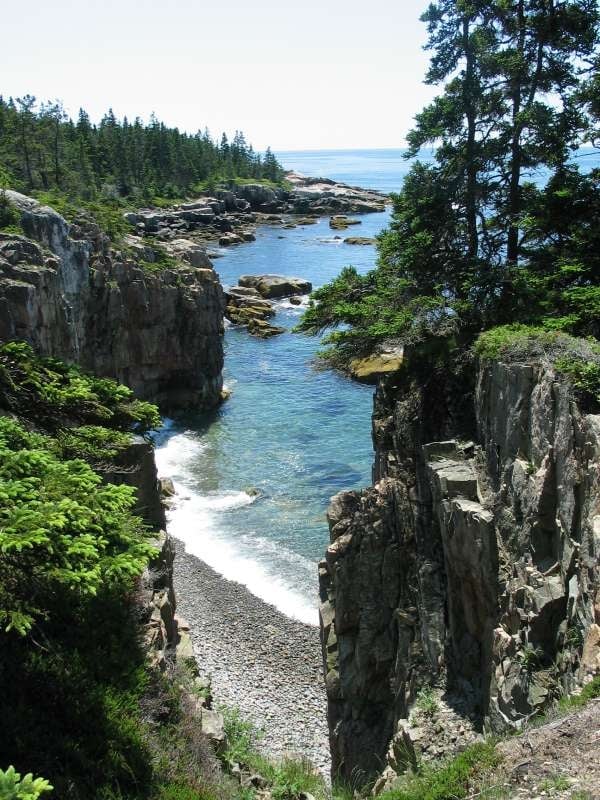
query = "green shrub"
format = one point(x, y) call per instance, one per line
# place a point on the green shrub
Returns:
point(10, 219)
point(427, 702)
point(450, 781)
point(13, 787)
point(62, 532)
point(93, 443)
point(584, 375)
point(53, 392)
point(572, 702)
point(107, 214)
point(295, 777)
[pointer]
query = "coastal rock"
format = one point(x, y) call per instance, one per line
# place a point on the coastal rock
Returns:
point(70, 294)
point(190, 252)
point(359, 240)
point(373, 367)
point(471, 564)
point(340, 222)
point(323, 196)
point(228, 239)
point(271, 286)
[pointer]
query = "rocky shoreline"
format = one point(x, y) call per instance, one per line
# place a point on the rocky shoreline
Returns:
point(230, 216)
point(258, 660)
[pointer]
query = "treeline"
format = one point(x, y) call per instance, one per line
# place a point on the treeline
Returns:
point(480, 237)
point(41, 148)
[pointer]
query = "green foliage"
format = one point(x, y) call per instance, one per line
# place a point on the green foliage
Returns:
point(13, 787)
point(52, 392)
point(92, 443)
point(162, 260)
point(572, 702)
point(473, 243)
point(578, 360)
point(242, 738)
point(531, 658)
point(451, 781)
point(9, 216)
point(294, 777)
point(41, 149)
point(182, 791)
point(557, 783)
point(75, 705)
point(62, 532)
point(426, 702)
point(584, 375)
point(288, 779)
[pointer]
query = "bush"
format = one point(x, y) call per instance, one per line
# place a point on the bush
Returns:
point(52, 392)
point(63, 534)
point(578, 360)
point(10, 219)
point(452, 780)
point(13, 787)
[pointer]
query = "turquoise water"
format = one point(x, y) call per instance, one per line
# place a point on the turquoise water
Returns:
point(296, 434)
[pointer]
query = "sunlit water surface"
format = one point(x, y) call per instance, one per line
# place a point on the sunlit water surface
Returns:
point(295, 434)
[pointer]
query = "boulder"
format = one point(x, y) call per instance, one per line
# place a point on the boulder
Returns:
point(229, 238)
point(213, 727)
point(189, 251)
point(360, 240)
point(371, 368)
point(341, 221)
point(276, 285)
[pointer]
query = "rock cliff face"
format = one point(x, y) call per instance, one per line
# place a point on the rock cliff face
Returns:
point(470, 565)
point(68, 293)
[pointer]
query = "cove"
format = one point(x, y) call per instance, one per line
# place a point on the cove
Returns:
point(295, 434)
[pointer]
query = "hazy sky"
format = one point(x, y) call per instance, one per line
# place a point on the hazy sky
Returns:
point(296, 75)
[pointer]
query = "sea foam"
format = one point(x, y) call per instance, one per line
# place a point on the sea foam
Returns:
point(199, 520)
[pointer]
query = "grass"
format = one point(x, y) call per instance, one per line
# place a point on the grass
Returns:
point(287, 779)
point(573, 702)
point(162, 261)
point(427, 702)
point(576, 360)
point(556, 783)
point(451, 780)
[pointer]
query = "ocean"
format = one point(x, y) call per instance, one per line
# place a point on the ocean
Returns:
point(295, 434)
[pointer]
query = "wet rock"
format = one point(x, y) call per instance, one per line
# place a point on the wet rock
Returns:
point(340, 221)
point(359, 240)
point(271, 286)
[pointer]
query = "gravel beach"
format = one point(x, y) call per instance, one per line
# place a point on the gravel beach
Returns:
point(260, 661)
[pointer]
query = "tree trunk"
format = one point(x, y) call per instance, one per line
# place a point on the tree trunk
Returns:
point(516, 156)
point(471, 166)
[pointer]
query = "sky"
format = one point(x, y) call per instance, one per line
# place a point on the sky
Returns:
point(304, 75)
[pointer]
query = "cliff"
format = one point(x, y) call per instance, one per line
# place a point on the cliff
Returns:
point(65, 290)
point(470, 565)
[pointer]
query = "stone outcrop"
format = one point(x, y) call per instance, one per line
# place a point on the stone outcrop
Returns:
point(156, 328)
point(385, 361)
point(228, 215)
point(246, 307)
point(340, 222)
point(470, 565)
point(273, 286)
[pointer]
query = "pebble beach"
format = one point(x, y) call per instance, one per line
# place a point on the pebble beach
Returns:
point(258, 660)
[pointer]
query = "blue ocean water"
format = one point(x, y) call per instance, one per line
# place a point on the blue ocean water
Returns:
point(372, 169)
point(296, 434)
